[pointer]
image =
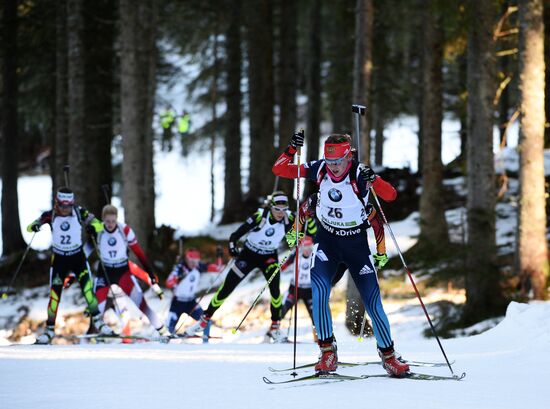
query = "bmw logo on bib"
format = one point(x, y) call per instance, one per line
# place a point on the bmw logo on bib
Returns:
point(65, 226)
point(111, 241)
point(270, 232)
point(335, 195)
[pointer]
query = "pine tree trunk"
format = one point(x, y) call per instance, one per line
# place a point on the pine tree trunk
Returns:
point(433, 226)
point(138, 64)
point(232, 140)
point(261, 96)
point(99, 36)
point(546, 16)
point(78, 148)
point(361, 95)
point(363, 69)
point(483, 295)
point(532, 247)
point(287, 78)
point(12, 240)
point(60, 155)
point(379, 125)
point(313, 127)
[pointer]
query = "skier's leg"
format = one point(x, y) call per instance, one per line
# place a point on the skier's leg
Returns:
point(176, 309)
point(364, 275)
point(131, 288)
point(288, 301)
point(276, 296)
point(322, 271)
point(80, 267)
point(56, 287)
point(236, 274)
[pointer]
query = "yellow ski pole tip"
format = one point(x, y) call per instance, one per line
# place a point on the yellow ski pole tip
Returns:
point(233, 331)
point(4, 296)
point(360, 339)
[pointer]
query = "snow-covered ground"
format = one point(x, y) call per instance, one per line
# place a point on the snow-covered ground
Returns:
point(507, 367)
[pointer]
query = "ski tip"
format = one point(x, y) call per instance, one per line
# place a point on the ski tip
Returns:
point(460, 377)
point(267, 380)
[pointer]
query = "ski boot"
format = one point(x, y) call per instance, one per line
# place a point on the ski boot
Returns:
point(165, 335)
point(391, 362)
point(198, 327)
point(275, 334)
point(328, 358)
point(47, 336)
point(101, 326)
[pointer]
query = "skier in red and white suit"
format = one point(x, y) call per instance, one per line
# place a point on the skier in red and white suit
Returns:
point(113, 243)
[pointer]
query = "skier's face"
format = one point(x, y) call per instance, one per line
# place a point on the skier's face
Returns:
point(109, 221)
point(192, 262)
point(307, 250)
point(64, 210)
point(338, 167)
point(278, 212)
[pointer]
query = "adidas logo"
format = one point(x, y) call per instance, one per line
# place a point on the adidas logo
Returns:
point(366, 270)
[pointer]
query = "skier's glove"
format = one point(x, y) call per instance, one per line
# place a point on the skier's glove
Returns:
point(33, 227)
point(297, 140)
point(233, 250)
point(290, 237)
point(367, 173)
point(380, 260)
point(157, 290)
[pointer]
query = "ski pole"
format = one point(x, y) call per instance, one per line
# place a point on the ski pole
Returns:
point(296, 261)
point(220, 274)
point(411, 279)
point(363, 325)
point(277, 269)
point(358, 111)
point(5, 293)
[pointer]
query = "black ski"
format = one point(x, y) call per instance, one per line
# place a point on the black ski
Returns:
point(351, 364)
point(334, 376)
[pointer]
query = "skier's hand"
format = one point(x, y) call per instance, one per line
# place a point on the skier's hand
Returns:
point(380, 260)
point(297, 140)
point(157, 290)
point(367, 173)
point(290, 237)
point(33, 227)
point(233, 250)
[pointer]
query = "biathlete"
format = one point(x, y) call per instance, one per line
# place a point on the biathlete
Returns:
point(344, 188)
point(184, 280)
point(264, 231)
point(113, 243)
point(67, 221)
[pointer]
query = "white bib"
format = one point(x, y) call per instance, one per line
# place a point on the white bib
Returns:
point(338, 205)
point(66, 233)
point(266, 239)
point(304, 277)
point(187, 288)
point(113, 247)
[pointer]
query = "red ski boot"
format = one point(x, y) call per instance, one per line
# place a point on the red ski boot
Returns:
point(328, 360)
point(393, 366)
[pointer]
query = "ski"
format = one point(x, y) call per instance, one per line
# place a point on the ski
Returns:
point(335, 376)
point(329, 376)
point(352, 364)
point(161, 339)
